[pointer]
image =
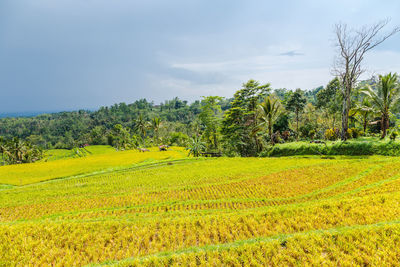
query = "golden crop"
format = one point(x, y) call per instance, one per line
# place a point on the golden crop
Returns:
point(210, 212)
point(41, 171)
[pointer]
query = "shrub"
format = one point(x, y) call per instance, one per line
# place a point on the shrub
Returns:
point(349, 133)
point(355, 133)
point(285, 135)
point(331, 134)
point(306, 129)
point(393, 135)
point(311, 134)
point(178, 139)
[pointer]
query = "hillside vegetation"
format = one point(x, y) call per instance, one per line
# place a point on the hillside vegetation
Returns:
point(197, 211)
point(354, 147)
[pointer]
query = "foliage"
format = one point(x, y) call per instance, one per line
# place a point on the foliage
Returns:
point(296, 103)
point(211, 116)
point(69, 129)
point(393, 135)
point(121, 138)
point(281, 123)
point(268, 112)
point(307, 130)
point(196, 146)
point(178, 139)
point(352, 147)
point(386, 96)
point(235, 127)
point(329, 99)
point(240, 120)
point(331, 134)
point(17, 151)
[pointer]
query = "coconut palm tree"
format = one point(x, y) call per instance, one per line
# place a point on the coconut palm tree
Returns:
point(196, 146)
point(268, 112)
point(141, 126)
point(384, 98)
point(155, 125)
point(364, 109)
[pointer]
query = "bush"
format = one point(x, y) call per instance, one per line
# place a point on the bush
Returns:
point(350, 148)
point(331, 134)
point(285, 135)
point(349, 133)
point(393, 135)
point(311, 134)
point(282, 123)
point(306, 129)
point(355, 133)
point(178, 139)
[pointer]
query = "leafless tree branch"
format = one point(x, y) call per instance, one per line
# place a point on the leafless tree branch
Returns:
point(352, 46)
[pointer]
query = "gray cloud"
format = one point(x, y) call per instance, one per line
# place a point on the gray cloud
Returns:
point(57, 55)
point(291, 53)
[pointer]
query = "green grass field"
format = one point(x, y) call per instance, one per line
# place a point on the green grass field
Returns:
point(353, 147)
point(179, 211)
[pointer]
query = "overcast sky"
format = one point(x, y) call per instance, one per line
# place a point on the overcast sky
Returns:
point(71, 54)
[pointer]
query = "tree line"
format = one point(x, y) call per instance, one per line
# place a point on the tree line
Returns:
point(256, 117)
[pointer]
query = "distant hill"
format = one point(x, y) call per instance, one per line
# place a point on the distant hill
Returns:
point(24, 114)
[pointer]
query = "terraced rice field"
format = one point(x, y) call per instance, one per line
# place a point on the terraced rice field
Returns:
point(211, 212)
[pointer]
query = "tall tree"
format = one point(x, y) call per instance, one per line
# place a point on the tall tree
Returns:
point(364, 109)
point(269, 111)
point(155, 126)
point(210, 116)
point(141, 126)
point(329, 99)
point(240, 120)
point(352, 47)
point(384, 99)
point(296, 103)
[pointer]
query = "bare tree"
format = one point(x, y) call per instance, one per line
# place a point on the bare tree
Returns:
point(352, 45)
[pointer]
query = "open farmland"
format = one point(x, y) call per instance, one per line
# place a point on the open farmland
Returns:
point(225, 211)
point(68, 165)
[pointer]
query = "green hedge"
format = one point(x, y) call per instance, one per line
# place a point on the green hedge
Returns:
point(351, 148)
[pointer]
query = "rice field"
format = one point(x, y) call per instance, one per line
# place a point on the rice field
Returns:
point(177, 211)
point(63, 163)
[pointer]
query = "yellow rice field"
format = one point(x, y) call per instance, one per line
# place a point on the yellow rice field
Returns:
point(293, 211)
point(69, 166)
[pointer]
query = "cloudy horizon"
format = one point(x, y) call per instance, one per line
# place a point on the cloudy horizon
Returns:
point(66, 55)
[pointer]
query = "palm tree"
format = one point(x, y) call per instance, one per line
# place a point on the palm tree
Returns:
point(268, 112)
point(155, 125)
point(141, 126)
point(196, 146)
point(385, 97)
point(364, 109)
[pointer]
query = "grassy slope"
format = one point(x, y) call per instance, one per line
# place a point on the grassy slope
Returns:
point(55, 154)
point(233, 211)
point(64, 164)
point(355, 147)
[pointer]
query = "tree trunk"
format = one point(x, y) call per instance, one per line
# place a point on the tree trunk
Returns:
point(334, 120)
point(365, 123)
point(384, 124)
point(270, 132)
point(215, 138)
point(297, 125)
point(345, 113)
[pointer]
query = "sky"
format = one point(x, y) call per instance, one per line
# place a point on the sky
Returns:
point(83, 54)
